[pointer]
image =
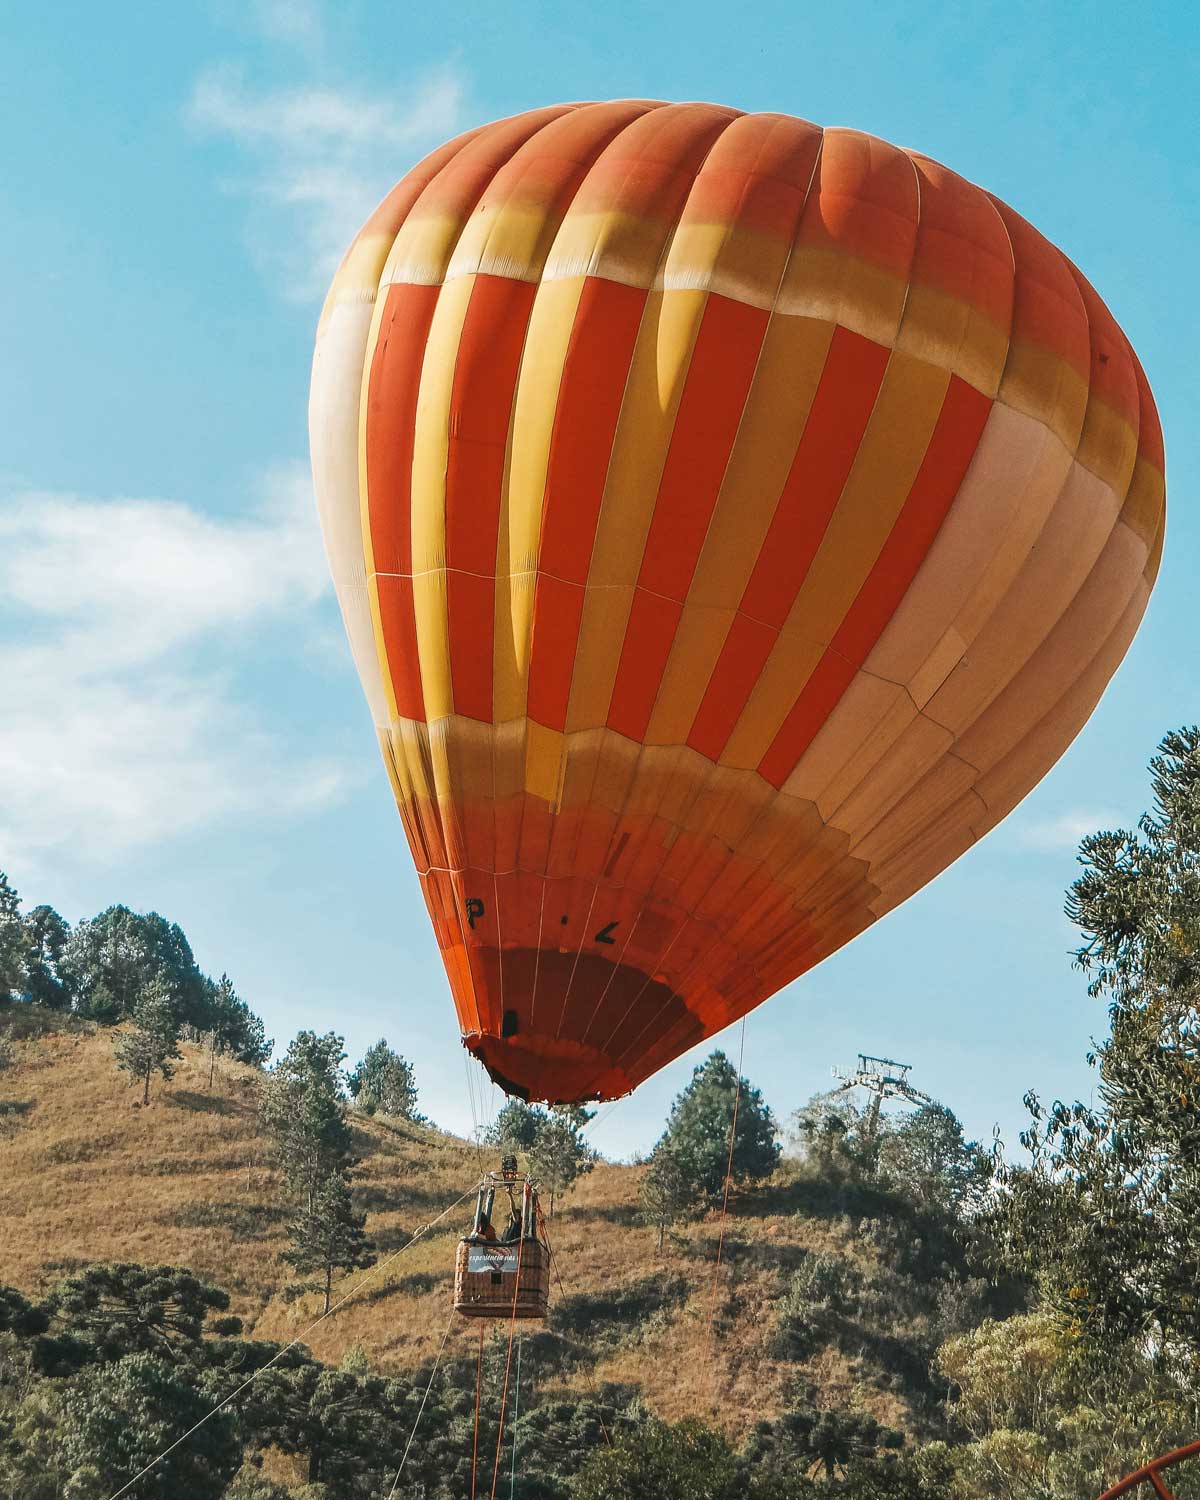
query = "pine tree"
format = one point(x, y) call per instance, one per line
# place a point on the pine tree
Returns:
point(45, 936)
point(700, 1122)
point(11, 939)
point(153, 1042)
point(517, 1125)
point(303, 1109)
point(665, 1193)
point(385, 1083)
point(328, 1235)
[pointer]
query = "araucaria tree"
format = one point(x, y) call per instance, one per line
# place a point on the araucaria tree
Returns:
point(327, 1235)
point(1107, 1218)
point(385, 1083)
point(699, 1126)
point(152, 1043)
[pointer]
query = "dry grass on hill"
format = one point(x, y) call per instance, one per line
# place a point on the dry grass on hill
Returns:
point(89, 1176)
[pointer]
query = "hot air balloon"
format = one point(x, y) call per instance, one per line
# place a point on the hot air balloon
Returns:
point(732, 521)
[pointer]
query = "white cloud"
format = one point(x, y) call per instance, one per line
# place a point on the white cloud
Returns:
point(319, 159)
point(1062, 833)
point(119, 641)
point(297, 23)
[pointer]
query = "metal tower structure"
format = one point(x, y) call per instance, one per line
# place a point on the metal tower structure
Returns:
point(883, 1078)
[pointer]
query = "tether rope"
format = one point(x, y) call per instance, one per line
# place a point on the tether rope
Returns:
point(424, 1398)
point(512, 1328)
point(512, 1488)
point(478, 1387)
point(278, 1355)
point(737, 1095)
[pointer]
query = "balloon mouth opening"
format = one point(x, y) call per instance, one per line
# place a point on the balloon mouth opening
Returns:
point(548, 1072)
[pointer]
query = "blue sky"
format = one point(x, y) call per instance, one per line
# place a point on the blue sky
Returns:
point(182, 728)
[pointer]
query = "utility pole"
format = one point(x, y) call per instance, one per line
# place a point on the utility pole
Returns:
point(883, 1078)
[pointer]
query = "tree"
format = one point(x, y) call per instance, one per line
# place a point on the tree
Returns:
point(115, 959)
point(1044, 1420)
point(303, 1109)
point(384, 1082)
point(11, 939)
point(152, 1043)
point(926, 1156)
point(655, 1460)
point(701, 1118)
point(230, 1027)
point(328, 1235)
point(559, 1154)
point(819, 1441)
point(1106, 1217)
point(345, 1425)
point(119, 1418)
point(44, 941)
point(517, 1125)
point(830, 1135)
point(664, 1191)
point(120, 1308)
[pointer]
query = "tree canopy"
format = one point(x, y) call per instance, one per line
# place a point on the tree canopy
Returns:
point(700, 1122)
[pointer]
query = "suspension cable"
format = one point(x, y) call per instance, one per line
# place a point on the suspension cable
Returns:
point(279, 1353)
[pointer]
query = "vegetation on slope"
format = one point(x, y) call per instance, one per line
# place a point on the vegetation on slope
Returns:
point(897, 1316)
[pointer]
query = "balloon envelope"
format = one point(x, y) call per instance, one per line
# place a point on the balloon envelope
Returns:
point(732, 521)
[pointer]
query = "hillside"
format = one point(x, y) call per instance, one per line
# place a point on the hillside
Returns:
point(90, 1176)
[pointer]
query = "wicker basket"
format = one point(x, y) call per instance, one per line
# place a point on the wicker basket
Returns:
point(501, 1280)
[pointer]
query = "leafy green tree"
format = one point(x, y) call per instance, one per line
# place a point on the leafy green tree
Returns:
point(328, 1235)
point(925, 1155)
point(824, 1290)
point(117, 958)
point(665, 1194)
point(654, 1460)
point(1046, 1420)
point(819, 1441)
point(12, 943)
point(348, 1428)
point(559, 1154)
point(152, 1043)
point(829, 1134)
point(44, 941)
point(119, 1418)
point(303, 1108)
point(925, 1475)
point(516, 1126)
point(385, 1083)
point(700, 1122)
point(230, 1027)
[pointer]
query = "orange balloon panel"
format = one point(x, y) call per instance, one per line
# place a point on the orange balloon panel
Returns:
point(732, 521)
